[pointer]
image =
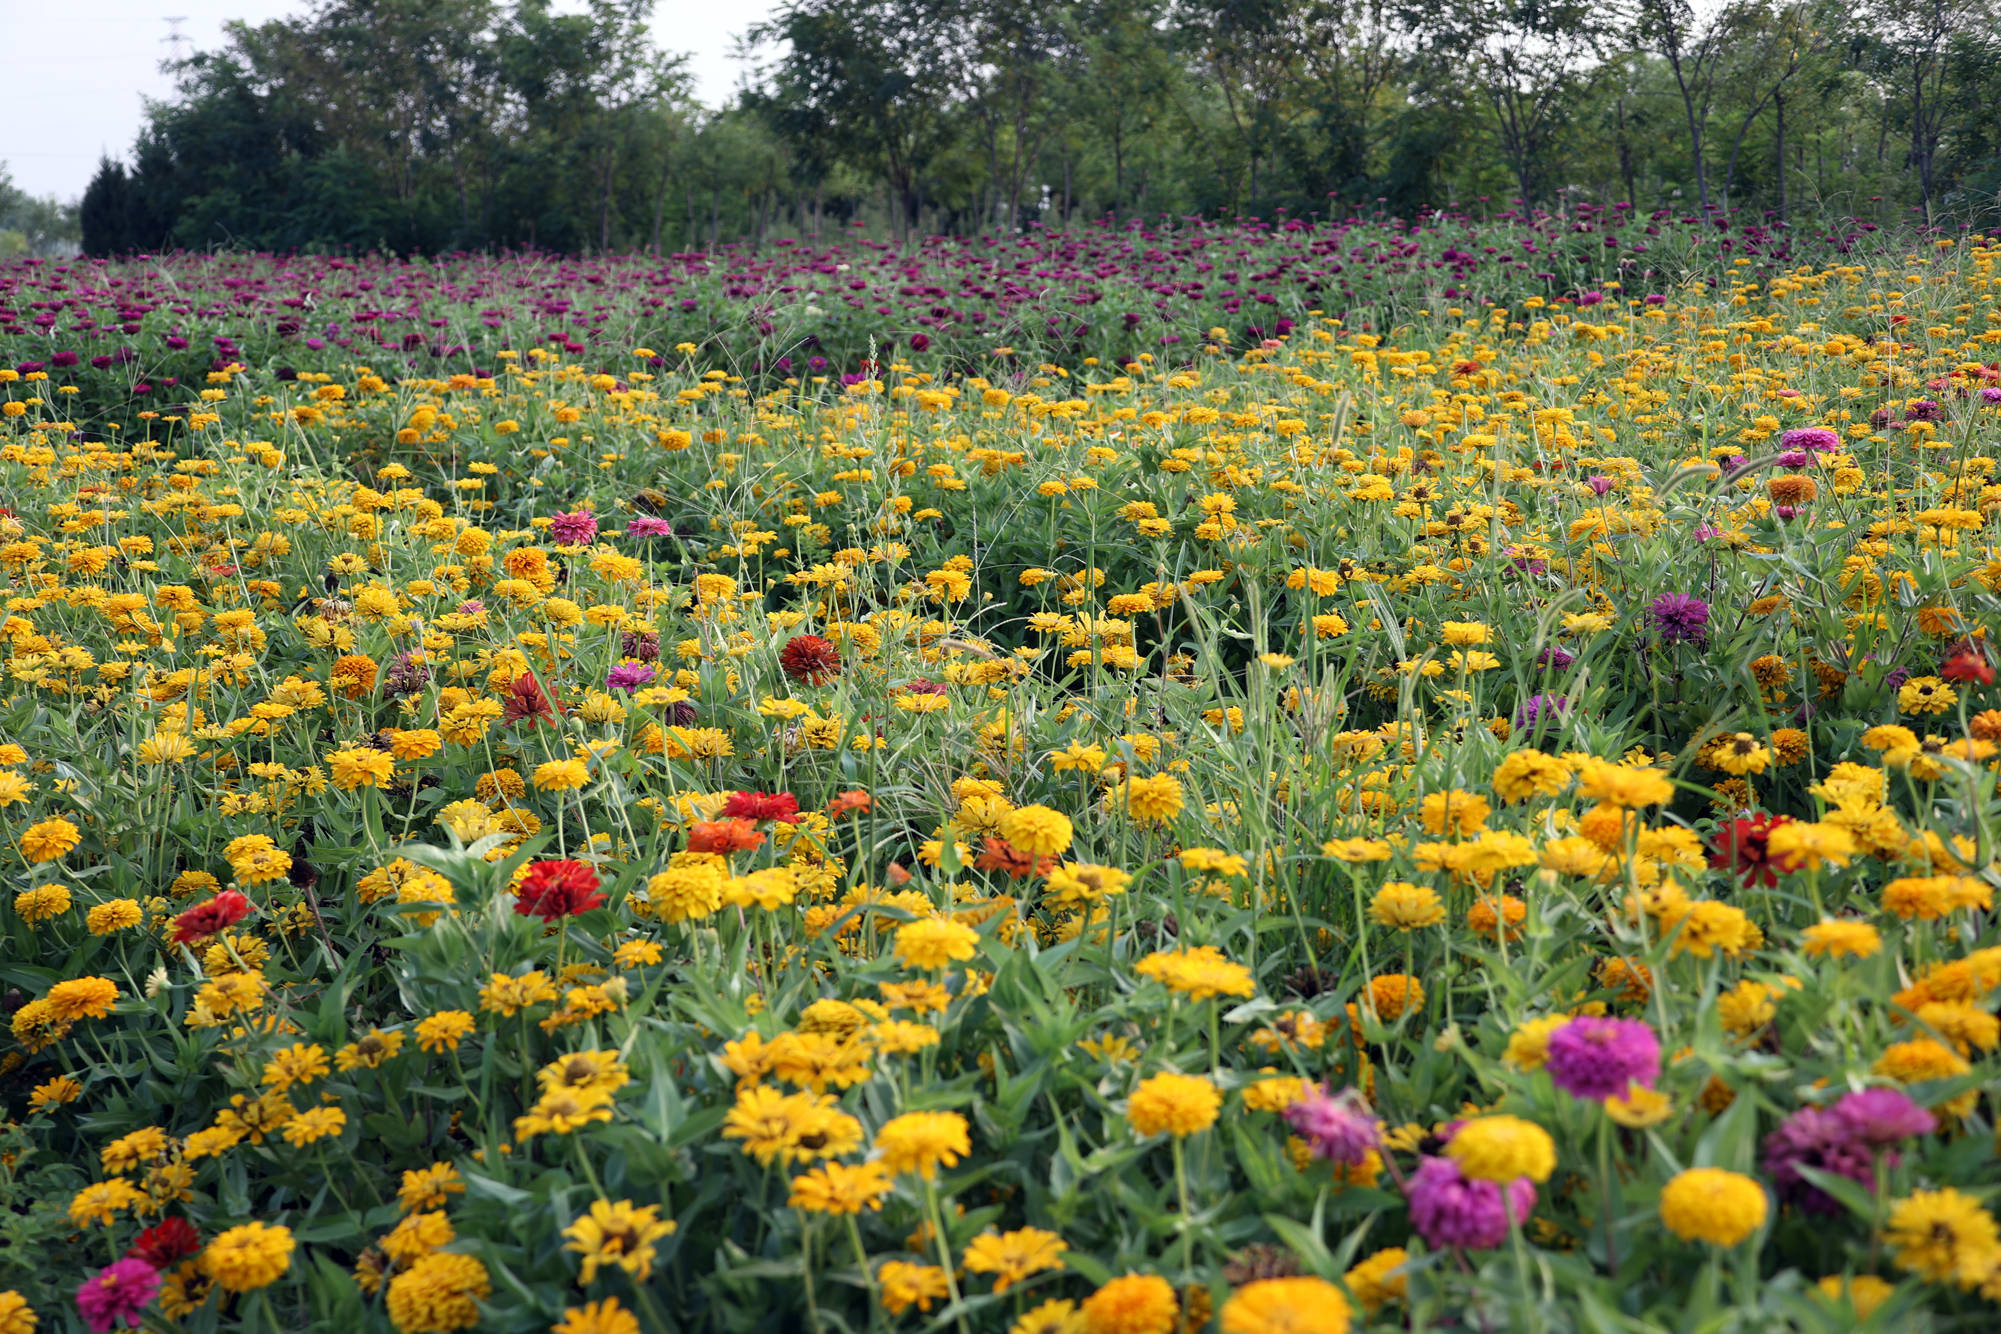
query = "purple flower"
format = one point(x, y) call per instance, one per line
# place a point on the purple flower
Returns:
point(120, 1291)
point(1599, 483)
point(1449, 1210)
point(1592, 1057)
point(1881, 1117)
point(575, 529)
point(1336, 1126)
point(1555, 658)
point(645, 525)
point(1680, 617)
point(1817, 438)
point(1535, 707)
point(1990, 395)
point(1795, 458)
point(1818, 1138)
point(629, 676)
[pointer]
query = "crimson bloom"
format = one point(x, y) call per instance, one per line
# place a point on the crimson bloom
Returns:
point(166, 1242)
point(1968, 667)
point(780, 806)
point(205, 919)
point(811, 659)
point(1740, 845)
point(557, 889)
point(527, 702)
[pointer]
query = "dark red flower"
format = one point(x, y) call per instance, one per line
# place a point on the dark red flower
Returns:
point(1968, 666)
point(166, 1243)
point(557, 889)
point(723, 836)
point(205, 919)
point(1740, 846)
point(527, 701)
point(811, 659)
point(780, 806)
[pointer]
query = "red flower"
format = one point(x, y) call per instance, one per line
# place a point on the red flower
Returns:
point(811, 659)
point(166, 1243)
point(1740, 846)
point(526, 700)
point(1001, 855)
point(723, 836)
point(780, 806)
point(1969, 666)
point(205, 919)
point(854, 800)
point(557, 889)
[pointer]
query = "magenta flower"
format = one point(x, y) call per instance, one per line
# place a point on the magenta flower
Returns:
point(1822, 1140)
point(1884, 1116)
point(120, 1291)
point(1449, 1210)
point(629, 676)
point(1679, 618)
point(1593, 1057)
point(645, 525)
point(1335, 1126)
point(575, 529)
point(1818, 438)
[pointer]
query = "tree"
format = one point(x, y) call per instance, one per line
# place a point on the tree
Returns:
point(1692, 48)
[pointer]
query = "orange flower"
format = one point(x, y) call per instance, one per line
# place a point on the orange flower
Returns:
point(723, 836)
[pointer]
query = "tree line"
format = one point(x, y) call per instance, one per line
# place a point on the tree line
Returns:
point(435, 125)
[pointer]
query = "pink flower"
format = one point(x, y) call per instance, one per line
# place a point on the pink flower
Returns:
point(120, 1291)
point(575, 529)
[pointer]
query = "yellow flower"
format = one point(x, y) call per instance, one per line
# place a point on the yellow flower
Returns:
point(1056, 1316)
point(1865, 1292)
point(561, 775)
point(1198, 973)
point(605, 1317)
point(904, 1285)
point(248, 1257)
point(49, 839)
point(1134, 1304)
point(1833, 938)
point(1801, 845)
point(1148, 801)
point(1377, 1281)
point(1286, 1306)
point(443, 1030)
point(1177, 1104)
point(836, 1188)
point(1528, 1045)
point(931, 943)
point(920, 1142)
point(1406, 907)
point(315, 1123)
point(438, 1294)
point(114, 915)
point(1502, 1149)
point(619, 1235)
point(1036, 831)
point(16, 1316)
point(360, 767)
point(1639, 1107)
point(1012, 1256)
point(1712, 1205)
point(1943, 1234)
point(83, 998)
point(100, 1203)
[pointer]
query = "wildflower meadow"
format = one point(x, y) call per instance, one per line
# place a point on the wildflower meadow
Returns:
point(1466, 808)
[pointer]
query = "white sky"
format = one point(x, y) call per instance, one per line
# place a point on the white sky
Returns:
point(80, 69)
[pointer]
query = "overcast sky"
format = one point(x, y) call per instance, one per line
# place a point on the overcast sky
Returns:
point(80, 69)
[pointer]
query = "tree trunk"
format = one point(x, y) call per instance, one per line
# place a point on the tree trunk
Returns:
point(1779, 108)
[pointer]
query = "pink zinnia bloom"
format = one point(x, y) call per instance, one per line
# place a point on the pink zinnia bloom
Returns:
point(120, 1291)
point(575, 529)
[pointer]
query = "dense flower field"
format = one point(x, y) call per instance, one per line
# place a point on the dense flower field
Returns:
point(1489, 827)
point(135, 334)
